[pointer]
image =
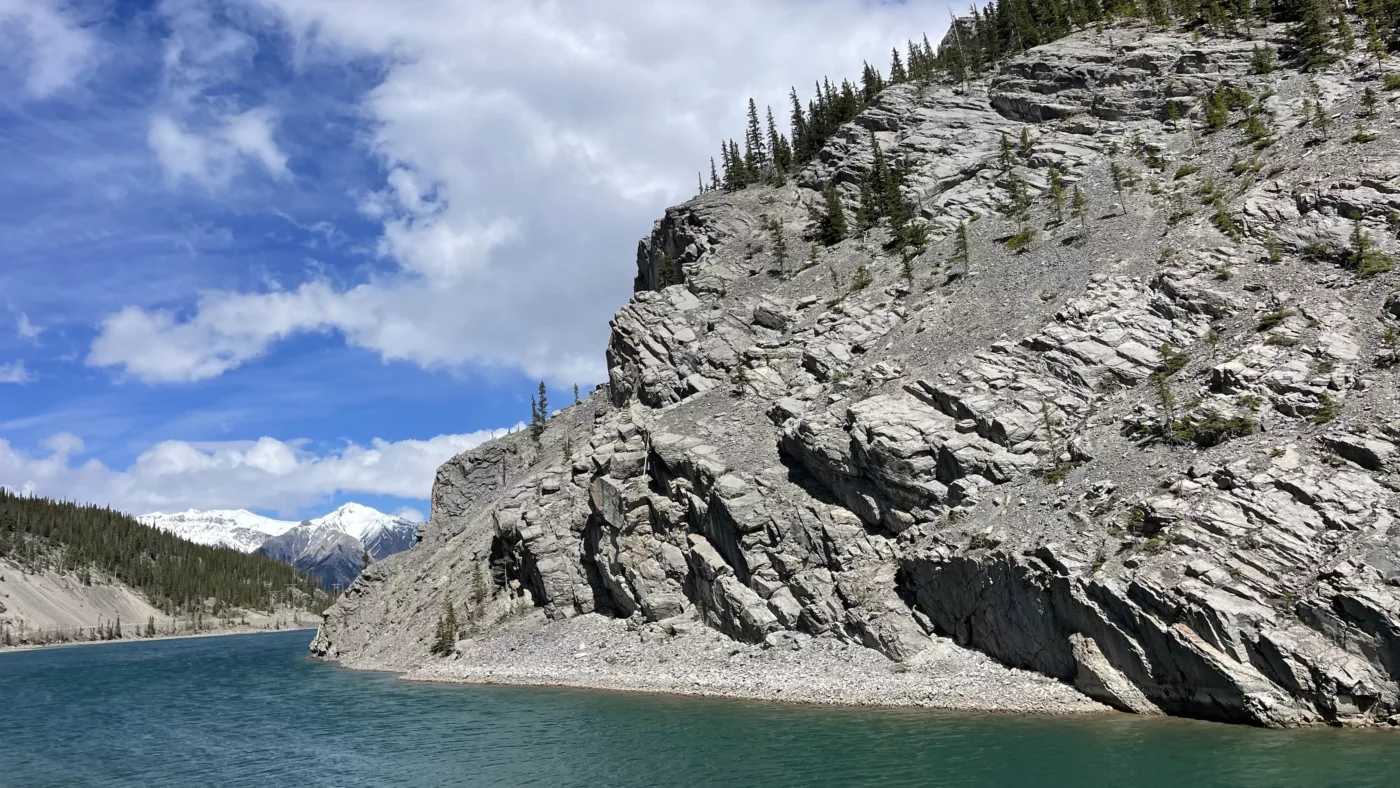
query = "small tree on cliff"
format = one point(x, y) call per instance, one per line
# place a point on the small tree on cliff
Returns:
point(539, 412)
point(831, 223)
point(446, 637)
point(960, 251)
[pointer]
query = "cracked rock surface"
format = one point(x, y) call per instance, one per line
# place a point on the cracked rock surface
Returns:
point(1148, 464)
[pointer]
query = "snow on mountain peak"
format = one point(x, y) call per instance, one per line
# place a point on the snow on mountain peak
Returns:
point(236, 528)
point(360, 521)
point(246, 531)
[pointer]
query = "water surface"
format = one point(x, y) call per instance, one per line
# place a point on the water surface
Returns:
point(254, 711)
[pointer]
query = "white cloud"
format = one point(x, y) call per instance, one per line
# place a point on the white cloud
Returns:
point(200, 134)
point(47, 42)
point(26, 329)
point(411, 514)
point(264, 474)
point(15, 373)
point(528, 145)
point(213, 158)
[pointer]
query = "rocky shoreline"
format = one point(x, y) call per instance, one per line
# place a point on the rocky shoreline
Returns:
point(249, 629)
point(683, 657)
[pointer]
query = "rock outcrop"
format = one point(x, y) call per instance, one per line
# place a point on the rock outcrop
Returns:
point(1154, 456)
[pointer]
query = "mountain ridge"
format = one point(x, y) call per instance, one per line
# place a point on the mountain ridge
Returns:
point(331, 548)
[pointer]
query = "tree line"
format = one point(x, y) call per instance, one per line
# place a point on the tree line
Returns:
point(770, 156)
point(175, 575)
point(1320, 31)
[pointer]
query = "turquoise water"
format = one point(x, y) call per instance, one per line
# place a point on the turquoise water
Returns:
point(253, 711)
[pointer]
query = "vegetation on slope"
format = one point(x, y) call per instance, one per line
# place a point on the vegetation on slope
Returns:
point(1320, 31)
point(176, 575)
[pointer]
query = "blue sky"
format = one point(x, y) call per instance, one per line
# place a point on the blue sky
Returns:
point(279, 254)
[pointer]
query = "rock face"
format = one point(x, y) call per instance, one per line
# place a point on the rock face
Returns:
point(1152, 457)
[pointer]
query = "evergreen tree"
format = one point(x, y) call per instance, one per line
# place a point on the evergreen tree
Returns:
point(1017, 205)
point(777, 240)
point(446, 635)
point(1078, 209)
point(1007, 158)
point(898, 75)
point(1369, 100)
point(576, 400)
point(755, 156)
point(960, 249)
point(740, 379)
point(868, 210)
point(1346, 39)
point(478, 591)
point(666, 274)
point(1124, 179)
point(831, 223)
point(800, 143)
point(539, 411)
point(1312, 34)
point(714, 175)
point(732, 175)
point(1057, 194)
point(1262, 60)
point(1263, 11)
point(1375, 44)
point(1217, 112)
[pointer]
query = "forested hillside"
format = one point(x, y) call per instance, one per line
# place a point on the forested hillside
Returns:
point(177, 576)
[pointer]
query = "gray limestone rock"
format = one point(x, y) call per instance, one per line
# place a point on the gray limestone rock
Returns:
point(1152, 457)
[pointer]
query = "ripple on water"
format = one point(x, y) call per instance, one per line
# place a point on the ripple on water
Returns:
point(252, 711)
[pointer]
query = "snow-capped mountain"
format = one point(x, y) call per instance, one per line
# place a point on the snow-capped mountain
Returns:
point(381, 534)
point(236, 528)
point(330, 548)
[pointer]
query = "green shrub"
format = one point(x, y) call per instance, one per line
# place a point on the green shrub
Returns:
point(1374, 262)
point(1328, 410)
point(1186, 170)
point(1273, 319)
point(1173, 360)
point(1225, 223)
point(1210, 428)
point(861, 279)
point(1021, 241)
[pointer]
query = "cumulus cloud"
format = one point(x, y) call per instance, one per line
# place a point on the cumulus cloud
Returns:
point(47, 43)
point(263, 474)
point(527, 146)
point(15, 372)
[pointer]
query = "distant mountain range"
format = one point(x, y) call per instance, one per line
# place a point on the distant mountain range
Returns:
point(330, 548)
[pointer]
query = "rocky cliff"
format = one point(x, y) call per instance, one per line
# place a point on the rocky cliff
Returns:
point(1152, 455)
